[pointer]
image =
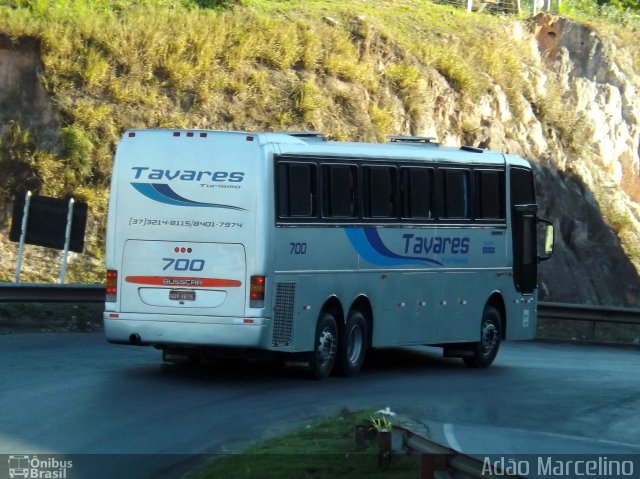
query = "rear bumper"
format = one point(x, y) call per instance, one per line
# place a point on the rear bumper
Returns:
point(188, 331)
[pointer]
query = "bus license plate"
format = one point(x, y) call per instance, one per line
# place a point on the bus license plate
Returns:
point(182, 295)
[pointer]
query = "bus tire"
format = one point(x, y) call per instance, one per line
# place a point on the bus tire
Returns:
point(325, 349)
point(353, 345)
point(485, 350)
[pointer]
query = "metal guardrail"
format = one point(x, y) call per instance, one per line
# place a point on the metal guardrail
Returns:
point(604, 314)
point(439, 462)
point(95, 293)
point(592, 314)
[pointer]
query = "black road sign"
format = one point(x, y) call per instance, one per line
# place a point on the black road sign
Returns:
point(47, 222)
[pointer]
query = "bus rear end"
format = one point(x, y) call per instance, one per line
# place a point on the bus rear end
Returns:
point(182, 262)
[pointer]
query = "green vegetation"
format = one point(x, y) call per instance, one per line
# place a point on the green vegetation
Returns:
point(621, 4)
point(602, 7)
point(571, 125)
point(326, 449)
point(354, 70)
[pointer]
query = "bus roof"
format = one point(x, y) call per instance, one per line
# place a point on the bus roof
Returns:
point(415, 148)
point(314, 144)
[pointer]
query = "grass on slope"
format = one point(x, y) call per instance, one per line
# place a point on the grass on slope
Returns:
point(354, 69)
point(323, 450)
point(264, 65)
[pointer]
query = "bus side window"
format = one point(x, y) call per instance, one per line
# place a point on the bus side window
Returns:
point(417, 193)
point(489, 193)
point(296, 190)
point(380, 188)
point(454, 193)
point(339, 191)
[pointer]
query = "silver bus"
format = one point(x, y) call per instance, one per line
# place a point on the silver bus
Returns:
point(317, 249)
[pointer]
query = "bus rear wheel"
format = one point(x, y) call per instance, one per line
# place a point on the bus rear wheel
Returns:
point(485, 350)
point(353, 345)
point(325, 348)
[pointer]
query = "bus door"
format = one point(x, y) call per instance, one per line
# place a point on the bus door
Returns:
point(524, 230)
point(525, 255)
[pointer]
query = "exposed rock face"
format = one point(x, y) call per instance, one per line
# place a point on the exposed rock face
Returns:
point(23, 97)
point(602, 86)
point(587, 162)
point(589, 265)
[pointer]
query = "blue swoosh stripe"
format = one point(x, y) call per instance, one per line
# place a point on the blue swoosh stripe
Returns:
point(163, 193)
point(372, 249)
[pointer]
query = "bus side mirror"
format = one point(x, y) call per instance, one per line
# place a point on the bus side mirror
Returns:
point(548, 240)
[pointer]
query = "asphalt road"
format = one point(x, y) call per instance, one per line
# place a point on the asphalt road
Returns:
point(76, 394)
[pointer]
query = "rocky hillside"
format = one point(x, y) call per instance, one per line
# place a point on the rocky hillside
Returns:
point(562, 94)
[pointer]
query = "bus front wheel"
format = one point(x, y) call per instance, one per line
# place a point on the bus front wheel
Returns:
point(325, 348)
point(353, 345)
point(485, 350)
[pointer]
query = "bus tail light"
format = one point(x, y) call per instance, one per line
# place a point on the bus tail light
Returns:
point(256, 292)
point(112, 286)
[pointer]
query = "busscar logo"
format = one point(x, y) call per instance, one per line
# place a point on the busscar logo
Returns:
point(182, 282)
point(38, 468)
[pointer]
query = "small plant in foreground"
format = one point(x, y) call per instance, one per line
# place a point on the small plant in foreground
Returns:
point(383, 422)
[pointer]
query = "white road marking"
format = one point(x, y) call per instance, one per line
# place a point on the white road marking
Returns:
point(450, 437)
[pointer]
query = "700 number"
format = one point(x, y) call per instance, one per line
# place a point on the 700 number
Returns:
point(298, 248)
point(183, 264)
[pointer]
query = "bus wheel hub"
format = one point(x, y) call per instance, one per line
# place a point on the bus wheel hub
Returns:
point(327, 346)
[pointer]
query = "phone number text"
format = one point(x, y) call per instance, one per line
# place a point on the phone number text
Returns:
point(184, 223)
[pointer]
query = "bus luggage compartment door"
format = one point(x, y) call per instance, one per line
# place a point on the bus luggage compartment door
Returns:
point(178, 277)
